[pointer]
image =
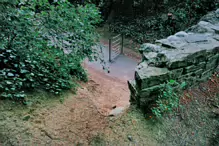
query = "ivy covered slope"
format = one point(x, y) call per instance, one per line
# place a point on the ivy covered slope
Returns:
point(34, 36)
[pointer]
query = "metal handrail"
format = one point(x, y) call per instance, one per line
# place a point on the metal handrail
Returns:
point(116, 36)
point(116, 45)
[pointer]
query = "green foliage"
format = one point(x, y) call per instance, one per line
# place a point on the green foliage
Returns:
point(150, 25)
point(34, 36)
point(169, 98)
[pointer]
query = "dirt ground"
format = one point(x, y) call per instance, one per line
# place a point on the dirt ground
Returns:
point(107, 92)
point(82, 119)
point(79, 120)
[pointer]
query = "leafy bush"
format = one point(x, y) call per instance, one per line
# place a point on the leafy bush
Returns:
point(169, 98)
point(34, 36)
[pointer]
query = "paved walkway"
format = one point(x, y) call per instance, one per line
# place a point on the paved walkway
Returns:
point(122, 67)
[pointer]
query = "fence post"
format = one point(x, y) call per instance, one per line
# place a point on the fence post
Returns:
point(110, 49)
point(122, 44)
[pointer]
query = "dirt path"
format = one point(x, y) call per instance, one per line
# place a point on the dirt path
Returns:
point(108, 92)
point(79, 120)
point(75, 121)
point(115, 81)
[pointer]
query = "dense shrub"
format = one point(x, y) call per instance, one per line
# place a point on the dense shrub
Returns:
point(169, 98)
point(34, 36)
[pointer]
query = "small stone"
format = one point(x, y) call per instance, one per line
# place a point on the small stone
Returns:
point(150, 55)
point(147, 47)
point(217, 13)
point(166, 43)
point(130, 138)
point(181, 34)
point(203, 23)
point(161, 60)
point(201, 28)
point(114, 107)
point(173, 38)
point(196, 38)
point(142, 65)
point(117, 111)
point(151, 76)
point(216, 37)
point(151, 90)
point(215, 28)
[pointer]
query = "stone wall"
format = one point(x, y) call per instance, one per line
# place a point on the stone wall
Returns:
point(191, 56)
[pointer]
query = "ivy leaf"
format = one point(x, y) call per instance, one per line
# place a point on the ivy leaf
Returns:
point(5, 60)
point(10, 74)
point(23, 71)
point(172, 81)
point(8, 51)
point(9, 83)
point(16, 65)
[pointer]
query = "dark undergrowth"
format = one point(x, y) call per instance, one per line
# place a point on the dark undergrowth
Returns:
point(143, 29)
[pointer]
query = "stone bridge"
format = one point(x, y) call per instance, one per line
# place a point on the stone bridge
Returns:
point(191, 56)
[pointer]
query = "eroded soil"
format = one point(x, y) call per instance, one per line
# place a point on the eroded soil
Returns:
point(80, 119)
